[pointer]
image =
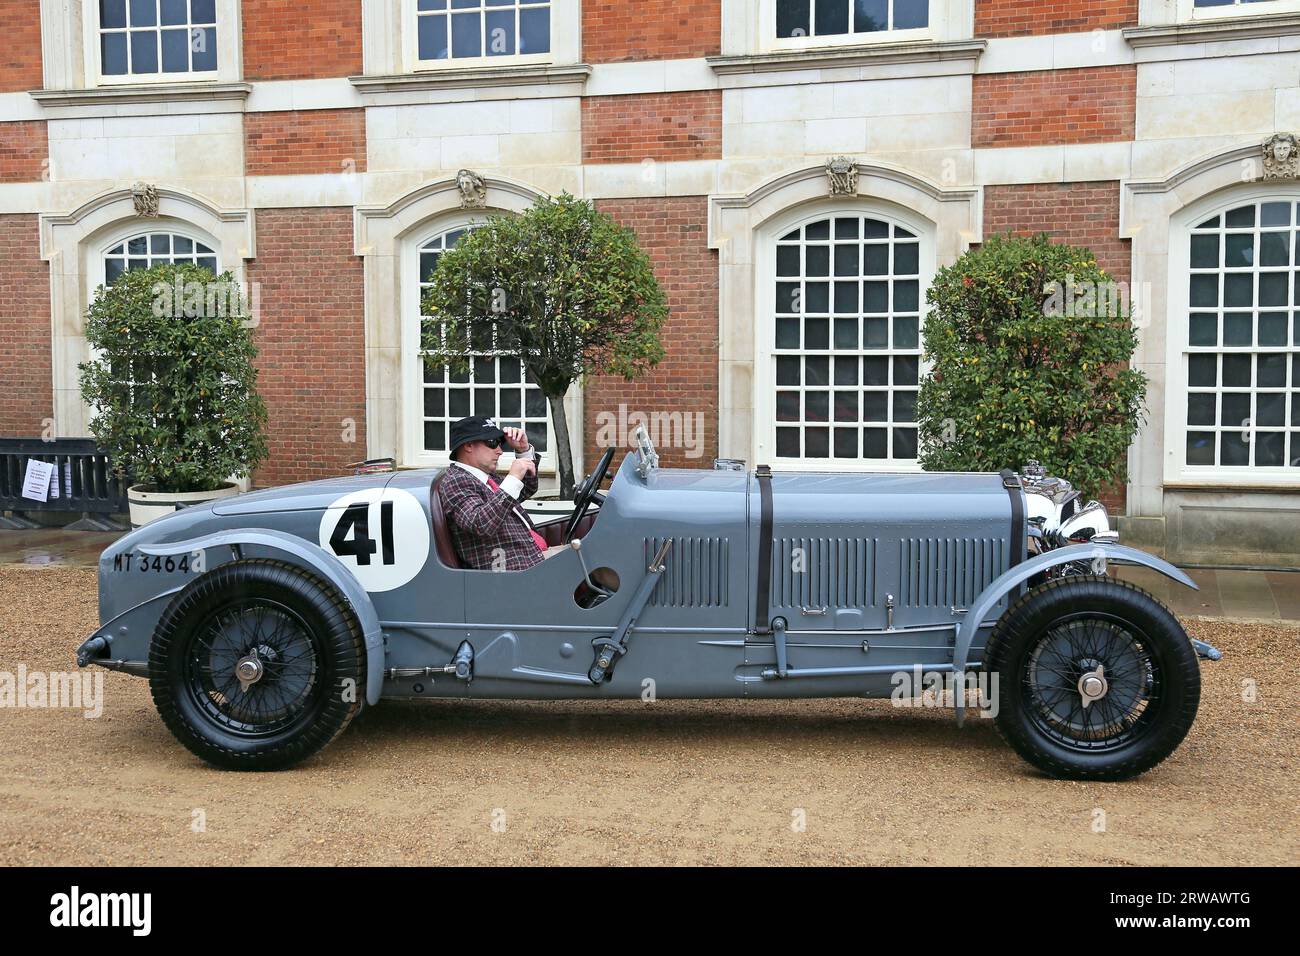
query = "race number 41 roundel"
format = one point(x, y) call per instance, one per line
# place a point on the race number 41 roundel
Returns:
point(380, 534)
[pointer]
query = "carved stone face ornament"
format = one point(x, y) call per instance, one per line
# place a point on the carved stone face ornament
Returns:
point(1282, 157)
point(473, 190)
point(843, 175)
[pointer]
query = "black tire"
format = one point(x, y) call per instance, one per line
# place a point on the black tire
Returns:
point(1057, 633)
point(310, 661)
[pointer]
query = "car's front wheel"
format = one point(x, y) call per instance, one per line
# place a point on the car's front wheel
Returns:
point(1097, 679)
point(257, 665)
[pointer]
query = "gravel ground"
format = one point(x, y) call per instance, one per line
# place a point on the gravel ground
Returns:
point(626, 782)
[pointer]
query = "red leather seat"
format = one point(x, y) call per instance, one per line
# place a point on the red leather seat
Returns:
point(441, 533)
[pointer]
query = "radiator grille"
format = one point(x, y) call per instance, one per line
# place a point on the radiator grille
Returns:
point(823, 572)
point(696, 572)
point(942, 572)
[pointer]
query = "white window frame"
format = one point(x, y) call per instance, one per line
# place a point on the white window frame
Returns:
point(1176, 469)
point(99, 270)
point(749, 27)
point(228, 58)
point(765, 423)
point(414, 453)
point(566, 32)
point(1188, 12)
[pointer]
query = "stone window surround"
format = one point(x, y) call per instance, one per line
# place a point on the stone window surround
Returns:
point(74, 243)
point(70, 49)
point(741, 226)
point(1157, 216)
point(388, 239)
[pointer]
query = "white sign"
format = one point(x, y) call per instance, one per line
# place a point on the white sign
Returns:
point(36, 482)
point(380, 534)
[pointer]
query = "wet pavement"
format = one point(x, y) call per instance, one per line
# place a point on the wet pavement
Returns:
point(1230, 594)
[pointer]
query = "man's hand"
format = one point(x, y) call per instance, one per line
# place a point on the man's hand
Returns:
point(521, 468)
point(516, 438)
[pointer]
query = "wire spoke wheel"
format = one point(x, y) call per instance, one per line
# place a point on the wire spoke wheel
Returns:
point(257, 664)
point(1097, 680)
point(1092, 644)
point(287, 662)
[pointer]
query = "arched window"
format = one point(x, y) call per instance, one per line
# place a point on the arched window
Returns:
point(147, 249)
point(493, 385)
point(1240, 345)
point(844, 344)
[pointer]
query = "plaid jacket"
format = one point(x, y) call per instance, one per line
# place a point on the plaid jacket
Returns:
point(480, 521)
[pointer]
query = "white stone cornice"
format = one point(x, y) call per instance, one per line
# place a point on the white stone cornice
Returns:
point(478, 79)
point(1215, 31)
point(163, 96)
point(927, 51)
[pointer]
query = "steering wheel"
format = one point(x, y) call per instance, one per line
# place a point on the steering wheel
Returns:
point(586, 493)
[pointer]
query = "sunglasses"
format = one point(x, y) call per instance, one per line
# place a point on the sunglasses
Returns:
point(494, 442)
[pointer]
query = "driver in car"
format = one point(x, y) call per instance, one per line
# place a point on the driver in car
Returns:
point(489, 527)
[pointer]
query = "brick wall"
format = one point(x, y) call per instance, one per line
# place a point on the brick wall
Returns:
point(659, 126)
point(304, 142)
point(311, 342)
point(289, 39)
point(615, 31)
point(1048, 107)
point(24, 147)
point(1082, 214)
point(1012, 18)
point(20, 54)
point(673, 232)
point(26, 385)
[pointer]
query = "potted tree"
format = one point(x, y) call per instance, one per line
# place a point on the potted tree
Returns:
point(563, 287)
point(172, 385)
point(1029, 343)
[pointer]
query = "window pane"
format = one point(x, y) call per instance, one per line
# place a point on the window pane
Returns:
point(817, 261)
point(175, 51)
point(1204, 329)
point(832, 17)
point(203, 11)
point(203, 48)
point(1270, 449)
point(466, 34)
point(174, 12)
point(535, 30)
point(1275, 248)
point(817, 442)
point(1238, 328)
point(144, 13)
point(1200, 448)
point(144, 51)
point(792, 18)
point(870, 15)
point(905, 443)
point(501, 33)
point(1200, 409)
point(112, 14)
point(1205, 252)
point(911, 14)
point(112, 52)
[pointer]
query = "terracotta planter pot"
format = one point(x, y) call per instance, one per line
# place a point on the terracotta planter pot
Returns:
point(148, 504)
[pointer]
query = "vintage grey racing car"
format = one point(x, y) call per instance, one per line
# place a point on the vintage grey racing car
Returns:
point(266, 621)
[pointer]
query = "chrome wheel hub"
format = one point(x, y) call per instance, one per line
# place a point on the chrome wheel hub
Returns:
point(1093, 685)
point(249, 671)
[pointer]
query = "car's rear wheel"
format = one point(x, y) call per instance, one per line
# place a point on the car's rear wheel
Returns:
point(257, 665)
point(1097, 679)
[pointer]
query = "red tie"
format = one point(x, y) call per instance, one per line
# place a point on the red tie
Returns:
point(537, 538)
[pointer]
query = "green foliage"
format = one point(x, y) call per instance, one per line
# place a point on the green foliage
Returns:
point(566, 289)
point(1028, 342)
point(171, 383)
